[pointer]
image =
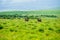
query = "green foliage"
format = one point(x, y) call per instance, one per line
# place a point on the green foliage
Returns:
point(19, 29)
point(30, 25)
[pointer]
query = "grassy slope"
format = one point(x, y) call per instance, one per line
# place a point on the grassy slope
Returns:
point(28, 13)
point(19, 29)
point(31, 12)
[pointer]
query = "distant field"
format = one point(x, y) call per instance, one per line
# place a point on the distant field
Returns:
point(30, 25)
point(43, 12)
point(30, 14)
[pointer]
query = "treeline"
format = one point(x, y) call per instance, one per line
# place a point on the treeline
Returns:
point(21, 16)
point(53, 16)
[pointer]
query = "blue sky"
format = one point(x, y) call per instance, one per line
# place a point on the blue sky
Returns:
point(29, 4)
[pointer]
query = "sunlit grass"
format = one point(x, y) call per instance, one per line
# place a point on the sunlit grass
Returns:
point(19, 29)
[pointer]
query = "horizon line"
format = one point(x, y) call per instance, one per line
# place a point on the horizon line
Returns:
point(27, 10)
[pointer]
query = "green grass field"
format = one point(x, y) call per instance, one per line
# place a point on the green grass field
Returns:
point(48, 28)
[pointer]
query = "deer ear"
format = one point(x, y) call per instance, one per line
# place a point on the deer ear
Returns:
point(26, 19)
point(39, 20)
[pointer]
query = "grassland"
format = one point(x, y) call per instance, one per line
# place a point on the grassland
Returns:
point(40, 28)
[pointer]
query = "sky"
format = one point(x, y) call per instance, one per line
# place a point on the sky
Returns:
point(29, 4)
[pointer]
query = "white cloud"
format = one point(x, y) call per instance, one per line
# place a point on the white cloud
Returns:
point(15, 1)
point(22, 1)
point(7, 3)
